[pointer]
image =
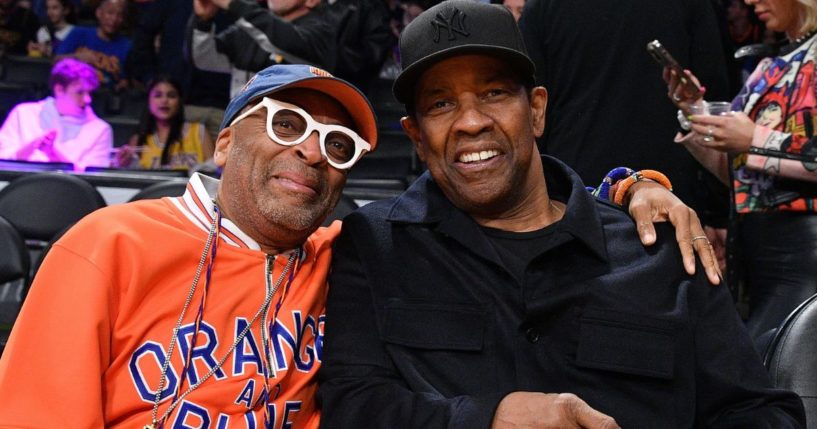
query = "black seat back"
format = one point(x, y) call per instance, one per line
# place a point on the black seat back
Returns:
point(789, 356)
point(14, 277)
point(161, 189)
point(14, 260)
point(43, 204)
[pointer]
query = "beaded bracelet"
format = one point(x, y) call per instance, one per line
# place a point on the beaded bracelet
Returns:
point(639, 176)
point(614, 176)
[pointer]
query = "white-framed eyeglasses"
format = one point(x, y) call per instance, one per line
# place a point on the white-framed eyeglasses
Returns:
point(289, 125)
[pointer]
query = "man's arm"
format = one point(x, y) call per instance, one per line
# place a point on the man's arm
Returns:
point(51, 370)
point(733, 387)
point(202, 41)
point(650, 202)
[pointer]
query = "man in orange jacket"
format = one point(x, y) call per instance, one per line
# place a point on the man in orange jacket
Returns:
point(205, 310)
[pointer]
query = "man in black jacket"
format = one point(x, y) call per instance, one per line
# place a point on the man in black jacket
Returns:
point(496, 292)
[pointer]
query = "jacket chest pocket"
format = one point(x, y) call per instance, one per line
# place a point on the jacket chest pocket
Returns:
point(627, 344)
point(434, 326)
point(440, 348)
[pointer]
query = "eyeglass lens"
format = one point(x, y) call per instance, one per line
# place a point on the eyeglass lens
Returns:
point(290, 126)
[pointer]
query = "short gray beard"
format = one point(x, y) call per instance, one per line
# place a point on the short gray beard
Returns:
point(298, 218)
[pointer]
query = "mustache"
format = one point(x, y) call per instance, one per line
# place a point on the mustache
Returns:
point(313, 176)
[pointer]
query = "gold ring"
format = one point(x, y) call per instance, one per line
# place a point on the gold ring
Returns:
point(700, 237)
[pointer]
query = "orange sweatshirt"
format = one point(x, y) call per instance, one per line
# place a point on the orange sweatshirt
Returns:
point(88, 347)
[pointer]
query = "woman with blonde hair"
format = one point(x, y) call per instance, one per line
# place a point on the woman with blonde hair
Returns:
point(766, 151)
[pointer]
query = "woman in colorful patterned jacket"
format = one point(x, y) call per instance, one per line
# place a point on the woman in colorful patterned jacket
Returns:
point(766, 150)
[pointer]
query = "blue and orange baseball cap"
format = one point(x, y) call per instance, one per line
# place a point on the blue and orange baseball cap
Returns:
point(286, 76)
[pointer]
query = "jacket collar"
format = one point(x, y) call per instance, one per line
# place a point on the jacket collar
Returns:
point(424, 203)
point(198, 207)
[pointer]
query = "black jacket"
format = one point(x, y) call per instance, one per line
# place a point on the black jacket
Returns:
point(427, 328)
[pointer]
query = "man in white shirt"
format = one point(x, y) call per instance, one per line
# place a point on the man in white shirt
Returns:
point(62, 128)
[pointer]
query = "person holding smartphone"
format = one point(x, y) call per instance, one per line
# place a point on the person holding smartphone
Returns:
point(766, 151)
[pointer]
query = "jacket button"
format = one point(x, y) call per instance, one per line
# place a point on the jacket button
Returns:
point(532, 335)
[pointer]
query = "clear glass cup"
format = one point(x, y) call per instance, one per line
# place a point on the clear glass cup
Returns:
point(719, 108)
point(715, 108)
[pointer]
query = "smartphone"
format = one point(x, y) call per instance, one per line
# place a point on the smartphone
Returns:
point(663, 57)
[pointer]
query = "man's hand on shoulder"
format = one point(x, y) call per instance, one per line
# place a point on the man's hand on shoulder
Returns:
point(650, 203)
point(548, 410)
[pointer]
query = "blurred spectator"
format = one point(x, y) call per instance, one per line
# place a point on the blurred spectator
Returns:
point(298, 31)
point(364, 40)
point(40, 8)
point(158, 41)
point(164, 139)
point(208, 93)
point(18, 26)
point(739, 27)
point(102, 46)
point(62, 128)
point(60, 23)
point(607, 102)
point(402, 13)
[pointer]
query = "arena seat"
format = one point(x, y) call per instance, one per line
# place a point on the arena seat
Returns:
point(789, 356)
point(123, 128)
point(161, 189)
point(126, 104)
point(14, 277)
point(14, 260)
point(43, 204)
point(27, 70)
point(12, 94)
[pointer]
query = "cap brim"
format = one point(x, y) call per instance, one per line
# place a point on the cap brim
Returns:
point(355, 103)
point(403, 87)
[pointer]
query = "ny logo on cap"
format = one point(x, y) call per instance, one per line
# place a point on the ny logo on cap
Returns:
point(453, 25)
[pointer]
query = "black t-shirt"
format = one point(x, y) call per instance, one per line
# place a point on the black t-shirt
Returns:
point(517, 249)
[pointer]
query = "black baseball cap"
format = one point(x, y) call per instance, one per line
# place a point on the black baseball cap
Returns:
point(457, 27)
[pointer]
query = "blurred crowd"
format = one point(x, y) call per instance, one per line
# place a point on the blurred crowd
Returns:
point(210, 48)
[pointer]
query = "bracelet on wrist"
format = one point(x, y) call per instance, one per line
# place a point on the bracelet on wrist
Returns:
point(639, 176)
point(614, 176)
